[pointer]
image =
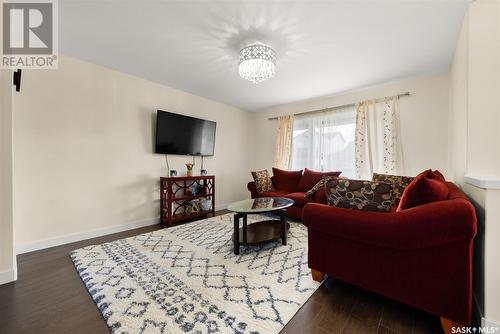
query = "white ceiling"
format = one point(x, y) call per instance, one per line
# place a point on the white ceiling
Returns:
point(323, 47)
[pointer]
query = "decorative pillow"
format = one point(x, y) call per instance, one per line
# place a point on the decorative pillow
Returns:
point(427, 187)
point(399, 183)
point(262, 181)
point(358, 194)
point(286, 180)
point(319, 188)
point(437, 175)
point(311, 192)
point(310, 178)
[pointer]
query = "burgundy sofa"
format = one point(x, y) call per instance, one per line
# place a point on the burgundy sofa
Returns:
point(420, 256)
point(294, 185)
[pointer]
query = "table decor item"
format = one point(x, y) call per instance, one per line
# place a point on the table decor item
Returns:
point(189, 166)
point(195, 189)
point(193, 207)
point(206, 204)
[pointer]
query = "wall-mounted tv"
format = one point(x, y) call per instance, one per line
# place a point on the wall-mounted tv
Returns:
point(184, 135)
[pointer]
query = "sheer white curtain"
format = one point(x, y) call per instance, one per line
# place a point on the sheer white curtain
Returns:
point(378, 144)
point(283, 151)
point(325, 141)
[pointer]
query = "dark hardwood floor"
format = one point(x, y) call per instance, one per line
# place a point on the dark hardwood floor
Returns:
point(49, 297)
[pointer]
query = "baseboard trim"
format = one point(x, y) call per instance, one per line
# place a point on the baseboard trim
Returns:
point(8, 276)
point(69, 238)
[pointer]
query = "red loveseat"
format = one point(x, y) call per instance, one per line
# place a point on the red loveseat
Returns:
point(420, 256)
point(294, 185)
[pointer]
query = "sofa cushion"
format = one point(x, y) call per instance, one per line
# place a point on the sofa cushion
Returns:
point(427, 187)
point(358, 194)
point(398, 182)
point(262, 181)
point(274, 193)
point(285, 180)
point(310, 178)
point(299, 198)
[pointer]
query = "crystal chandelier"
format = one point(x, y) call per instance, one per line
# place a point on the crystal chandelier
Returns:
point(257, 62)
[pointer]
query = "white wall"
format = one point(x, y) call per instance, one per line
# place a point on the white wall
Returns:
point(8, 270)
point(474, 142)
point(83, 143)
point(423, 121)
point(457, 134)
point(483, 153)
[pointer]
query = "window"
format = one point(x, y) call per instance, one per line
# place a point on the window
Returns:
point(325, 141)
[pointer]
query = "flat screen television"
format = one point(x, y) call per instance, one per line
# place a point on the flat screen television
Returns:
point(184, 135)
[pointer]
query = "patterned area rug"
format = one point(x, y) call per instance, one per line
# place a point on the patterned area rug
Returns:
point(186, 279)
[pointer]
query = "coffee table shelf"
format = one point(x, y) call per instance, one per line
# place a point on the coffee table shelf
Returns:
point(260, 232)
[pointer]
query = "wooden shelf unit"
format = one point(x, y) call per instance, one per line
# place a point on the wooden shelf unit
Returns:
point(175, 198)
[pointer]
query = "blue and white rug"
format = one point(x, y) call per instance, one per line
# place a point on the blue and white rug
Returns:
point(186, 279)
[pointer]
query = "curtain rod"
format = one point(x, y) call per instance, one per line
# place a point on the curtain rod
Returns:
point(335, 108)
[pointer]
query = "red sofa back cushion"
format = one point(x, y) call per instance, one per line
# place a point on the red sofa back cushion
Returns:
point(311, 177)
point(285, 180)
point(428, 186)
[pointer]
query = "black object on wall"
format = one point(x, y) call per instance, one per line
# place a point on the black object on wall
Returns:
point(184, 135)
point(17, 80)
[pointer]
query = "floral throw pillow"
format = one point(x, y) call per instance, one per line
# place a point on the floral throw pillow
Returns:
point(359, 194)
point(262, 181)
point(398, 182)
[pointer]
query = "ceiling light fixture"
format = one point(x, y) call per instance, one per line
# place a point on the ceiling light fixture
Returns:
point(257, 62)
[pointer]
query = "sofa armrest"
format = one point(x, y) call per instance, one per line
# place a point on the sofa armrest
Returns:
point(253, 189)
point(419, 227)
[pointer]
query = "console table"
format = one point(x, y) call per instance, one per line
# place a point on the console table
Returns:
point(177, 199)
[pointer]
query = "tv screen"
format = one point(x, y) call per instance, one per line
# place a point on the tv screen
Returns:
point(179, 134)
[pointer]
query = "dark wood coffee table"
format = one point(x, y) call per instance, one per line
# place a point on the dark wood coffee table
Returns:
point(262, 231)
